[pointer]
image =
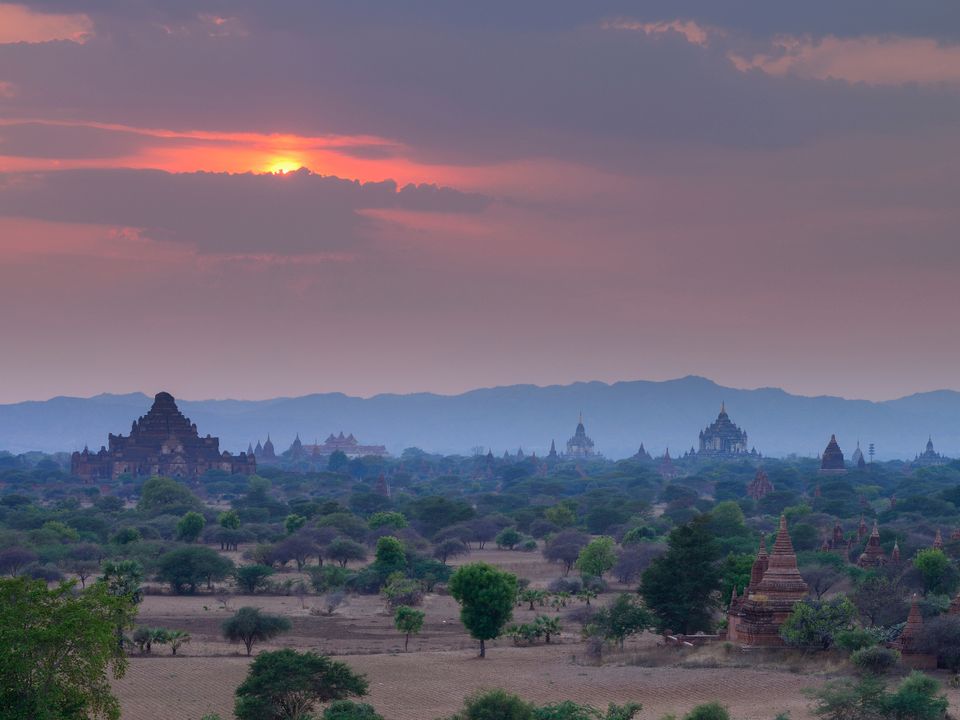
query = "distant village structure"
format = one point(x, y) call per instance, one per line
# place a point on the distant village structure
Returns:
point(347, 444)
point(162, 442)
point(723, 439)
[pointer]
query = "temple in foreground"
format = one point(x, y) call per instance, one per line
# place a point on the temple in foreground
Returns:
point(775, 587)
point(162, 442)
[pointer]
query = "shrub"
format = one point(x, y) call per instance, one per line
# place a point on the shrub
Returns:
point(329, 577)
point(349, 710)
point(251, 578)
point(496, 705)
point(564, 584)
point(708, 711)
point(854, 639)
point(400, 590)
point(875, 660)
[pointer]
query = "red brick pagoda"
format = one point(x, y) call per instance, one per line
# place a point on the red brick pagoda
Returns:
point(775, 587)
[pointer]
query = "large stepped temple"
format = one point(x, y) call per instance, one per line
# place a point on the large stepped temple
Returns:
point(775, 587)
point(723, 439)
point(162, 442)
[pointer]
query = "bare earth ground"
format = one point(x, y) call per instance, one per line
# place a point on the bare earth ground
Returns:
point(441, 668)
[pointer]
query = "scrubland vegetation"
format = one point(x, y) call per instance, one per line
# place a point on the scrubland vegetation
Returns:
point(580, 566)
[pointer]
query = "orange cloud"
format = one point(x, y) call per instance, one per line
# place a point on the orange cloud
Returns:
point(695, 34)
point(18, 23)
point(362, 157)
point(873, 60)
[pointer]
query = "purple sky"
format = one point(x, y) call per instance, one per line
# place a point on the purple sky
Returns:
point(761, 193)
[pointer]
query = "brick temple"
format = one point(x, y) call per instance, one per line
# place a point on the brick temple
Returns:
point(162, 442)
point(775, 587)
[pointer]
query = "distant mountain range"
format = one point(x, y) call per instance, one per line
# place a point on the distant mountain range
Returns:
point(617, 416)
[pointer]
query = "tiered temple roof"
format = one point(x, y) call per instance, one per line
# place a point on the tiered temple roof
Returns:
point(929, 457)
point(161, 442)
point(757, 619)
point(770, 600)
point(722, 438)
point(832, 460)
point(873, 555)
point(642, 455)
point(580, 446)
point(911, 631)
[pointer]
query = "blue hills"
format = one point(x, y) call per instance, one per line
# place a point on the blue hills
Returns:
point(618, 416)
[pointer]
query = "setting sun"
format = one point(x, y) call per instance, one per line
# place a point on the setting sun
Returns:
point(283, 165)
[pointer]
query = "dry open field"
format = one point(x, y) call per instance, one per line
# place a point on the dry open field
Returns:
point(441, 668)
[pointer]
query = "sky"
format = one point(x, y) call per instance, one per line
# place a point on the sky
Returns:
point(256, 198)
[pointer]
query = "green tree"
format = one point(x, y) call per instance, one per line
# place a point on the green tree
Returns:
point(164, 496)
point(939, 575)
point(486, 596)
point(395, 520)
point(123, 580)
point(561, 515)
point(390, 554)
point(816, 623)
point(409, 621)
point(597, 557)
point(185, 568)
point(248, 625)
point(56, 649)
point(293, 522)
point(251, 578)
point(680, 586)
point(176, 639)
point(289, 685)
point(849, 700)
point(229, 520)
point(349, 710)
point(624, 617)
point(190, 526)
point(508, 538)
point(343, 550)
point(916, 698)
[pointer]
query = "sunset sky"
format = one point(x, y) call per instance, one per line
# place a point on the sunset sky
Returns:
point(491, 193)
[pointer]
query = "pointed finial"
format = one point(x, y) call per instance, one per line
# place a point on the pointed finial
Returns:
point(723, 407)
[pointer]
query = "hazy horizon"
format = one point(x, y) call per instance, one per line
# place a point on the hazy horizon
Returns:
point(307, 392)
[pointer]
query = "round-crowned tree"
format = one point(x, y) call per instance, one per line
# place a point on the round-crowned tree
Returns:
point(249, 626)
point(486, 596)
point(289, 685)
